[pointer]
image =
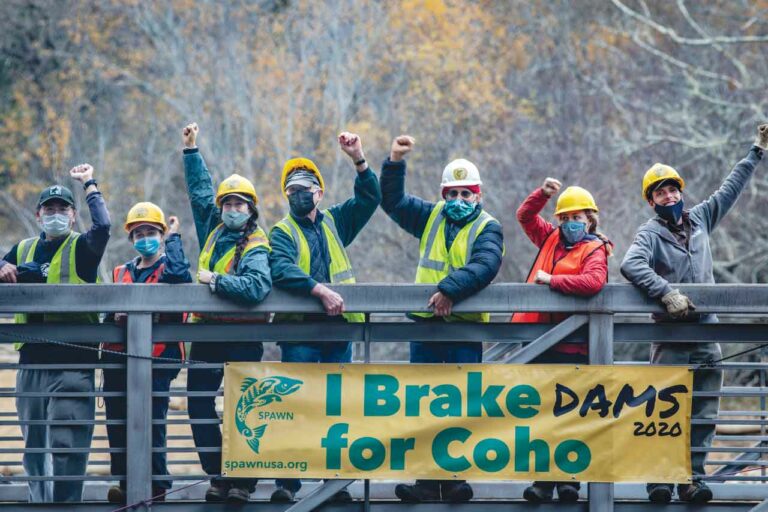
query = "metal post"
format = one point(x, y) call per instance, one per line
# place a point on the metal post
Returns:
point(600, 352)
point(139, 414)
point(367, 359)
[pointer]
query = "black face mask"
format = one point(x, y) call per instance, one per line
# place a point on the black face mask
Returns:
point(671, 213)
point(301, 202)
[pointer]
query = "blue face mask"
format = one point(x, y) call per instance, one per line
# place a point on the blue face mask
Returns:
point(147, 246)
point(55, 225)
point(457, 209)
point(235, 220)
point(573, 232)
point(671, 213)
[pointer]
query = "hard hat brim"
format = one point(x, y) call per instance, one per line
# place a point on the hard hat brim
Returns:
point(133, 225)
point(461, 183)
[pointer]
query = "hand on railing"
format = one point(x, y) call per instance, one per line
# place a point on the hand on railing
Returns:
point(333, 303)
point(440, 304)
point(542, 277)
point(677, 304)
point(8, 273)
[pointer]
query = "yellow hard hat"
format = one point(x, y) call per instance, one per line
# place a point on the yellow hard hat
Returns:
point(145, 213)
point(238, 185)
point(300, 163)
point(573, 199)
point(658, 173)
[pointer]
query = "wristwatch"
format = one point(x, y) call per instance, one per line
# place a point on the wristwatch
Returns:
point(89, 183)
point(212, 283)
point(360, 162)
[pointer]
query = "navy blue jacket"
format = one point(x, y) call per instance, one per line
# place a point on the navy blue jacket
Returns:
point(412, 213)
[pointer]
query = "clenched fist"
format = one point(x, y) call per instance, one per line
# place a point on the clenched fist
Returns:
point(173, 224)
point(551, 186)
point(401, 145)
point(82, 172)
point(762, 137)
point(352, 145)
point(189, 135)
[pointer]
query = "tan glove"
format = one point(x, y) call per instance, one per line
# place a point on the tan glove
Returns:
point(677, 304)
point(761, 140)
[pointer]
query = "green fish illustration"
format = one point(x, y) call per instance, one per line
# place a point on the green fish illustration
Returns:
point(258, 393)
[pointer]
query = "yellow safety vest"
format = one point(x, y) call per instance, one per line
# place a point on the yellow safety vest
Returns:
point(257, 238)
point(435, 262)
point(340, 267)
point(62, 269)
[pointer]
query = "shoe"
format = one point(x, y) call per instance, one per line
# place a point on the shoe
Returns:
point(697, 492)
point(158, 494)
point(342, 496)
point(567, 493)
point(238, 495)
point(456, 492)
point(537, 493)
point(116, 494)
point(282, 495)
point(417, 493)
point(217, 491)
point(660, 493)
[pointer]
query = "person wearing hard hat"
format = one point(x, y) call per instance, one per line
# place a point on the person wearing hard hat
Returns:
point(572, 259)
point(159, 261)
point(309, 251)
point(674, 247)
point(58, 255)
point(460, 252)
point(234, 264)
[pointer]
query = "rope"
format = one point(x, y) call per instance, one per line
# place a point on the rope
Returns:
point(710, 363)
point(154, 498)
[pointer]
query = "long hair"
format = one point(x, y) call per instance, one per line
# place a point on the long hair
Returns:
point(594, 222)
point(250, 226)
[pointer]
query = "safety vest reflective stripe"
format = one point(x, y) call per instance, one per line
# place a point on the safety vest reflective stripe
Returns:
point(26, 247)
point(435, 226)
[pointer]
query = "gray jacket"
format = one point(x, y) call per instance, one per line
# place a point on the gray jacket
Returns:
point(655, 259)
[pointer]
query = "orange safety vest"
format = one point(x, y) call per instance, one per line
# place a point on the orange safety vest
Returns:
point(122, 274)
point(570, 264)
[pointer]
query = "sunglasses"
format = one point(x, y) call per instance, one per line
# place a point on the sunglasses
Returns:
point(453, 194)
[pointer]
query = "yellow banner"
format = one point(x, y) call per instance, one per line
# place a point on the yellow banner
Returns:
point(469, 421)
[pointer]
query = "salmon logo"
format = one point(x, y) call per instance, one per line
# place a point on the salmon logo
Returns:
point(460, 173)
point(258, 393)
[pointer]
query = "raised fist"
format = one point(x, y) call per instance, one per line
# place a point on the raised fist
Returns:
point(401, 145)
point(189, 135)
point(352, 145)
point(173, 224)
point(551, 186)
point(82, 172)
point(762, 137)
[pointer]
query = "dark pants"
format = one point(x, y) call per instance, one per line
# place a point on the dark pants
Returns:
point(551, 356)
point(115, 380)
point(311, 353)
point(200, 408)
point(444, 353)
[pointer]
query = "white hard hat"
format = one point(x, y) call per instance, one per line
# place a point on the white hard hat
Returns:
point(460, 173)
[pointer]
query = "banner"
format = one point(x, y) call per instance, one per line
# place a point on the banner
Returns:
point(468, 421)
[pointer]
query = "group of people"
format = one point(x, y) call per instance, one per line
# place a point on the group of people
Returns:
point(461, 248)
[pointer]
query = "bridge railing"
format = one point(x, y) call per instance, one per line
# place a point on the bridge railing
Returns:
point(613, 316)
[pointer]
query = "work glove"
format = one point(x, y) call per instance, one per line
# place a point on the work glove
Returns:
point(677, 304)
point(761, 140)
point(31, 273)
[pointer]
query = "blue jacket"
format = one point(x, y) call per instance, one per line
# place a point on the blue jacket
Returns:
point(251, 281)
point(350, 218)
point(412, 213)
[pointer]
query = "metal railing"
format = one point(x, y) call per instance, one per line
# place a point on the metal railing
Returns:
point(605, 315)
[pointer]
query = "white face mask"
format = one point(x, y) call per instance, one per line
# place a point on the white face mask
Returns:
point(55, 225)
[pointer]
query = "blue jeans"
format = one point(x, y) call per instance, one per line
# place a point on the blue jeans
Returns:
point(114, 380)
point(340, 352)
point(209, 435)
point(446, 352)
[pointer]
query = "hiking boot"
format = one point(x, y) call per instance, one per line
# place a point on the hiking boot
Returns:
point(660, 493)
point(538, 493)
point(417, 492)
point(456, 492)
point(697, 492)
point(116, 494)
point(217, 491)
point(238, 495)
point(567, 493)
point(342, 496)
point(282, 495)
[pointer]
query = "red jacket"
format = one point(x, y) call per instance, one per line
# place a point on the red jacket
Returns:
point(595, 272)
